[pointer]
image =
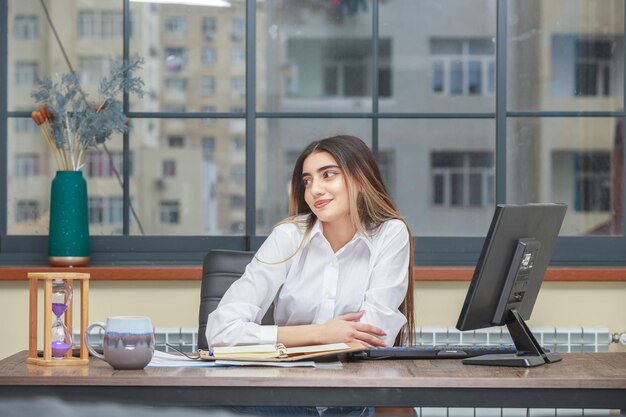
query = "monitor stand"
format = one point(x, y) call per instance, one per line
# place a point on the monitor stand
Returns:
point(529, 351)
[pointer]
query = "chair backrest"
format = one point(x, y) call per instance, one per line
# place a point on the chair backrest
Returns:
point(220, 269)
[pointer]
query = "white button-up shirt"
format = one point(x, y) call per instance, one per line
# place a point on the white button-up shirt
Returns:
point(311, 284)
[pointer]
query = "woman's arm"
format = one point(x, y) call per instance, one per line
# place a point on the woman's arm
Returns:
point(389, 280)
point(237, 317)
point(345, 328)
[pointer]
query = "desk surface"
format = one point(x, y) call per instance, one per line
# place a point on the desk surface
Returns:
point(580, 380)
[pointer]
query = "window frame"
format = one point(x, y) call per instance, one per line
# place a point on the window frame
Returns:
point(129, 249)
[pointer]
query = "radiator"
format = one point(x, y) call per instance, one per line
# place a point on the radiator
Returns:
point(557, 339)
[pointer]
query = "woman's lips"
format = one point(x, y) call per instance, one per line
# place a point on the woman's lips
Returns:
point(321, 203)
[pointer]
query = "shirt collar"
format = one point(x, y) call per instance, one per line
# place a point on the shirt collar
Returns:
point(317, 230)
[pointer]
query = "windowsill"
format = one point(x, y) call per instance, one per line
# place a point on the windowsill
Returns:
point(194, 273)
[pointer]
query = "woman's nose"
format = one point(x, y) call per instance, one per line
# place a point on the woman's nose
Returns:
point(316, 188)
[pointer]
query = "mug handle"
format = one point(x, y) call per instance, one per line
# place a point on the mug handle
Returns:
point(89, 348)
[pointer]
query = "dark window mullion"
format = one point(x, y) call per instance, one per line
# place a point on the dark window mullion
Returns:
point(126, 135)
point(4, 51)
point(501, 105)
point(375, 63)
point(250, 231)
point(623, 132)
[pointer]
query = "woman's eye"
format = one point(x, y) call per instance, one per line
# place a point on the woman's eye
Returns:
point(306, 181)
point(329, 174)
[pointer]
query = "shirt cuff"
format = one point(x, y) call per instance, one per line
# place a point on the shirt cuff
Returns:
point(268, 335)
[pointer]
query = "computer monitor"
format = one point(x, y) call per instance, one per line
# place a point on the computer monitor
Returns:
point(507, 278)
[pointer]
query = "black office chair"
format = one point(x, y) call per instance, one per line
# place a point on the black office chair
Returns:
point(220, 269)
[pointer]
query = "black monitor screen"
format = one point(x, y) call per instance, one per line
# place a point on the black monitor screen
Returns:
point(508, 276)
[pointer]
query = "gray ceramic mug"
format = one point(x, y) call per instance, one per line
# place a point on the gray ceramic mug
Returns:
point(128, 341)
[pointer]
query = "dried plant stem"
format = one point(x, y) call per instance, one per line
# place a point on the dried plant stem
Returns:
point(71, 139)
point(45, 131)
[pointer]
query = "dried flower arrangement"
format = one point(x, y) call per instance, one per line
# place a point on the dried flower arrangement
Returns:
point(71, 124)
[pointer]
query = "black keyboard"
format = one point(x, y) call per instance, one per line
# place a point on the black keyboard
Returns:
point(432, 352)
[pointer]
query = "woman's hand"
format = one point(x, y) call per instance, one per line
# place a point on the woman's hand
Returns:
point(341, 329)
point(346, 328)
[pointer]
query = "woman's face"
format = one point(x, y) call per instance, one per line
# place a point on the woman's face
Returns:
point(325, 188)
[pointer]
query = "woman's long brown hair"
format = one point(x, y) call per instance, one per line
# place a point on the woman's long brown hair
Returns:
point(370, 203)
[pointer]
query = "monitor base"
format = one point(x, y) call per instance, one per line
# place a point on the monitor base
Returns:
point(513, 359)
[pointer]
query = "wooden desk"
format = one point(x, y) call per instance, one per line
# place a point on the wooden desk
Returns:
point(585, 380)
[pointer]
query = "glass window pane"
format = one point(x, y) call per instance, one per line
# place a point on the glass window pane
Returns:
point(190, 174)
point(279, 142)
point(204, 45)
point(28, 190)
point(313, 56)
point(451, 169)
point(569, 51)
point(96, 36)
point(574, 161)
point(433, 67)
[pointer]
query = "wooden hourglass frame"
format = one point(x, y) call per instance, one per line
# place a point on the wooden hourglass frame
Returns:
point(34, 279)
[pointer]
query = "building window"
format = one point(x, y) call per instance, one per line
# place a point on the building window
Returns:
point(237, 55)
point(174, 108)
point(169, 168)
point(107, 210)
point(462, 66)
point(26, 27)
point(26, 210)
point(585, 66)
point(115, 210)
point(176, 142)
point(93, 68)
point(169, 212)
point(24, 125)
point(26, 165)
point(96, 210)
point(209, 56)
point(387, 164)
point(207, 85)
point(238, 85)
point(237, 173)
point(208, 145)
point(592, 181)
point(175, 59)
point(101, 24)
point(175, 84)
point(209, 27)
point(99, 165)
point(237, 201)
point(593, 67)
point(462, 179)
point(208, 109)
point(238, 144)
point(343, 70)
point(237, 28)
point(176, 24)
point(344, 78)
point(26, 73)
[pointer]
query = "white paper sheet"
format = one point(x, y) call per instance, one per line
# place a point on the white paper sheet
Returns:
point(274, 364)
point(171, 360)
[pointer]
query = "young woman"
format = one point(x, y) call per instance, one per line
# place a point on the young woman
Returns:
point(339, 269)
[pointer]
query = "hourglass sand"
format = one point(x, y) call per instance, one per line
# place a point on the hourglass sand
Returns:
point(57, 349)
point(61, 299)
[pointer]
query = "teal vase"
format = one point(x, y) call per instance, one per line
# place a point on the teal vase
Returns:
point(68, 237)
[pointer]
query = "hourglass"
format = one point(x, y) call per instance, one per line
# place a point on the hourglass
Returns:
point(58, 294)
point(60, 334)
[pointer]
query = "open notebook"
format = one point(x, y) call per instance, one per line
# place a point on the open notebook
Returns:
point(277, 352)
